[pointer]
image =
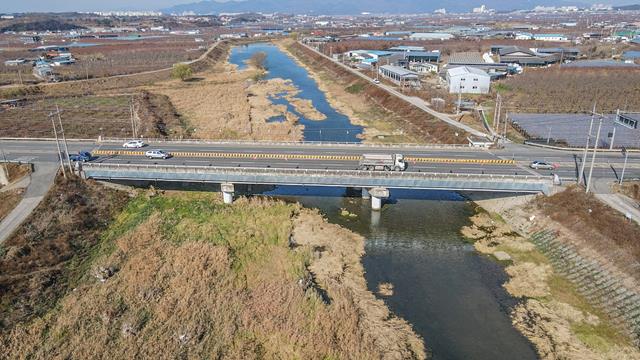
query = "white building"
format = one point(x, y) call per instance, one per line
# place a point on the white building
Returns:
point(423, 68)
point(468, 80)
point(431, 36)
point(550, 37)
point(524, 36)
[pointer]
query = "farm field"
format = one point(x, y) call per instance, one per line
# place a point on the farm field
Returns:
point(93, 116)
point(107, 58)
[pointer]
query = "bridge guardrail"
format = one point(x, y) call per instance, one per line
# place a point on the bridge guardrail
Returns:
point(290, 143)
point(316, 172)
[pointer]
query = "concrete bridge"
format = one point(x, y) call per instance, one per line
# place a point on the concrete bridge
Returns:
point(374, 184)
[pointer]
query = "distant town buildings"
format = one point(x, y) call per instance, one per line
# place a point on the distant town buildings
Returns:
point(127, 13)
point(430, 36)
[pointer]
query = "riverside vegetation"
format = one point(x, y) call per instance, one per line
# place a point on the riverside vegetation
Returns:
point(553, 315)
point(182, 275)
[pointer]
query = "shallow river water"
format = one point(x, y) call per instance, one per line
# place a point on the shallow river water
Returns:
point(452, 295)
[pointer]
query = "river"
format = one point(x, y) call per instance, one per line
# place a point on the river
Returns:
point(452, 295)
point(336, 127)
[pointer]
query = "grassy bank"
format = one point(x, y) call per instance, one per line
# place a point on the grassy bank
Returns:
point(39, 263)
point(384, 115)
point(182, 275)
point(553, 315)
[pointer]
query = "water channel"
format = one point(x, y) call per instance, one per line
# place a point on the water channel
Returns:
point(452, 295)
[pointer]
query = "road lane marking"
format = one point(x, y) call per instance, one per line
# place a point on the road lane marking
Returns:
point(225, 155)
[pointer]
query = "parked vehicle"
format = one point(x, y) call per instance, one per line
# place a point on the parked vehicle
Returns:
point(157, 154)
point(382, 162)
point(541, 165)
point(376, 81)
point(134, 144)
point(82, 156)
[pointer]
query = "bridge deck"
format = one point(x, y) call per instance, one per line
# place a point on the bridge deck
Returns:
point(308, 177)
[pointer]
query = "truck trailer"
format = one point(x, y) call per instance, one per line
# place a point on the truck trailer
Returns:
point(382, 162)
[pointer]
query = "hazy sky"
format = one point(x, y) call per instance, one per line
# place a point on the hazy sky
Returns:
point(97, 5)
point(84, 5)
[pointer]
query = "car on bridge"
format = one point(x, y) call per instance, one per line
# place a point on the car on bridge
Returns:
point(134, 144)
point(82, 156)
point(542, 165)
point(157, 154)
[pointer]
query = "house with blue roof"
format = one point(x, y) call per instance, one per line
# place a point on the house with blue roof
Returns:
point(368, 56)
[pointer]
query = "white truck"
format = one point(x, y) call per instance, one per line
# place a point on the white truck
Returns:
point(382, 162)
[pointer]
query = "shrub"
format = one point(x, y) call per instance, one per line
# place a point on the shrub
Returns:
point(182, 72)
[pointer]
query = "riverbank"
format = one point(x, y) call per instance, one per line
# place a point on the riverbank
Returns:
point(553, 315)
point(226, 103)
point(389, 118)
point(181, 274)
point(377, 128)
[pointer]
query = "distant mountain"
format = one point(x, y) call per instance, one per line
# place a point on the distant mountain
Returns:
point(45, 25)
point(628, 7)
point(353, 7)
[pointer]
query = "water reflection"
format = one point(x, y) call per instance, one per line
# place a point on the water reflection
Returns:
point(450, 294)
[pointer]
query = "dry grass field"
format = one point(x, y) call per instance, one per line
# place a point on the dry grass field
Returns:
point(592, 220)
point(183, 275)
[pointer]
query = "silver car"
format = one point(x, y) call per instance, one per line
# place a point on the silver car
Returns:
point(541, 165)
point(157, 154)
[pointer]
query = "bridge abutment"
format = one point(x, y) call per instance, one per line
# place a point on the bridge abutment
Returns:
point(228, 191)
point(377, 195)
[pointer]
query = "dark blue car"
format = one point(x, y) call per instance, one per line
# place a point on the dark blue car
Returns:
point(82, 156)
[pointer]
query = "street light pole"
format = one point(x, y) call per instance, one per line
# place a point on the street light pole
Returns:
point(55, 133)
point(593, 158)
point(624, 167)
point(586, 147)
point(64, 139)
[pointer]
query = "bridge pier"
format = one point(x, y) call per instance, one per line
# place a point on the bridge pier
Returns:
point(365, 193)
point(377, 195)
point(227, 192)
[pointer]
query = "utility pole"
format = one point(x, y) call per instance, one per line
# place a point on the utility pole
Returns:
point(504, 134)
point(496, 113)
point(595, 150)
point(549, 135)
point(624, 167)
point(459, 98)
point(586, 147)
point(55, 134)
point(64, 139)
point(133, 121)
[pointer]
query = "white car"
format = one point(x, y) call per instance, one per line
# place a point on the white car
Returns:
point(376, 81)
point(134, 144)
point(157, 154)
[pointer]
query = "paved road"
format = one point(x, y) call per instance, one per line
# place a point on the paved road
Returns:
point(41, 180)
point(309, 156)
point(415, 101)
